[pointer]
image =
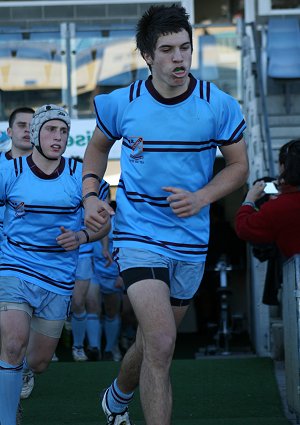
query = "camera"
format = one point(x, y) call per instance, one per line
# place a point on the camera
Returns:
point(270, 189)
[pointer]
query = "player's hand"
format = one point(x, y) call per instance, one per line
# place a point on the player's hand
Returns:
point(183, 202)
point(97, 213)
point(119, 282)
point(68, 239)
point(107, 255)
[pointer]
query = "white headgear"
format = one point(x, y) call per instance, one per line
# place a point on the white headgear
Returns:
point(43, 114)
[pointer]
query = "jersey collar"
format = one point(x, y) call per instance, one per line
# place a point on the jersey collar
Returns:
point(8, 155)
point(173, 100)
point(39, 173)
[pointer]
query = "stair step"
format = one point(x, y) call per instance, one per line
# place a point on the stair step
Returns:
point(278, 142)
point(276, 105)
point(284, 120)
point(285, 132)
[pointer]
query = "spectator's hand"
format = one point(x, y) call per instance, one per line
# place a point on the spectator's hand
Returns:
point(183, 202)
point(256, 191)
point(97, 213)
point(68, 239)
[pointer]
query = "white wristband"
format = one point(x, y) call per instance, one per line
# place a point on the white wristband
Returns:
point(250, 203)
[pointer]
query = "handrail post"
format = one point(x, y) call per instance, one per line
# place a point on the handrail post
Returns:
point(263, 101)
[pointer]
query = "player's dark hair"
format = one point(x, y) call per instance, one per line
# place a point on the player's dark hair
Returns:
point(161, 20)
point(15, 112)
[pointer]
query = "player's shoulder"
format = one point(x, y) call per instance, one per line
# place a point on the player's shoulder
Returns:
point(220, 102)
point(17, 164)
point(13, 169)
point(123, 95)
point(4, 157)
point(73, 166)
point(209, 91)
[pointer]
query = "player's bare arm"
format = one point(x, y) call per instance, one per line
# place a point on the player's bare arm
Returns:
point(94, 167)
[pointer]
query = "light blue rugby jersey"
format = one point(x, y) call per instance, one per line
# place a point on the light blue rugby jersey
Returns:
point(166, 142)
point(36, 207)
point(4, 157)
point(99, 261)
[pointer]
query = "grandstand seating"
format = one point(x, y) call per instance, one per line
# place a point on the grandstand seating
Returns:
point(10, 33)
point(283, 52)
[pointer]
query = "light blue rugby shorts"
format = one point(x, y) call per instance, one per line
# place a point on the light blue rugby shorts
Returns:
point(185, 276)
point(47, 309)
point(106, 284)
point(84, 269)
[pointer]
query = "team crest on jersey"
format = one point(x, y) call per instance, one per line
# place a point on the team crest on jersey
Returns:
point(19, 209)
point(137, 146)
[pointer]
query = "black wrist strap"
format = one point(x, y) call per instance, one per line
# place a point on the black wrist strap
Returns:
point(94, 176)
point(88, 195)
point(87, 235)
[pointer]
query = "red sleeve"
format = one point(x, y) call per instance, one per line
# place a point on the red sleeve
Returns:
point(254, 226)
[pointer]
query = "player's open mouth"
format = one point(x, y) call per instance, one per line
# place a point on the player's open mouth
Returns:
point(179, 71)
point(56, 147)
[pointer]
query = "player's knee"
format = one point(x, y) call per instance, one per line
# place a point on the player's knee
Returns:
point(40, 366)
point(78, 306)
point(14, 351)
point(111, 312)
point(159, 348)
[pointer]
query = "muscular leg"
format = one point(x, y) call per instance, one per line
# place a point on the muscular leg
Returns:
point(128, 323)
point(149, 359)
point(129, 374)
point(78, 312)
point(40, 351)
point(112, 304)
point(93, 309)
point(79, 296)
point(14, 331)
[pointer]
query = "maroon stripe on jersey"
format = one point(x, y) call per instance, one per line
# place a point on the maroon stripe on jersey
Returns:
point(208, 91)
point(138, 92)
point(131, 92)
point(201, 89)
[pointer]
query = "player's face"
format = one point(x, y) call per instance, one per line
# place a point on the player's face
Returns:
point(53, 138)
point(171, 63)
point(19, 132)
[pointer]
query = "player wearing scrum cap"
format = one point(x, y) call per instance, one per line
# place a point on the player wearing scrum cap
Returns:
point(42, 196)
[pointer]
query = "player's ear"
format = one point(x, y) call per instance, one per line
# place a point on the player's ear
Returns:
point(148, 59)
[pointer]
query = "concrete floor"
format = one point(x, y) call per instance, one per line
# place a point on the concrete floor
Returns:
point(280, 376)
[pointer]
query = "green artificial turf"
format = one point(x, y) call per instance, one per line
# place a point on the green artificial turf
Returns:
point(206, 392)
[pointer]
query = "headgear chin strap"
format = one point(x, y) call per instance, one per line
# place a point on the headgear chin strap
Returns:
point(40, 117)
